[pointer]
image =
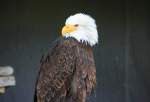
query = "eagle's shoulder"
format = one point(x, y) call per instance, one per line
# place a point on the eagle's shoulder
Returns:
point(64, 42)
point(60, 45)
point(64, 46)
point(69, 41)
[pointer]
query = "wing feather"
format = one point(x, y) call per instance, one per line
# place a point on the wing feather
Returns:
point(85, 74)
point(56, 72)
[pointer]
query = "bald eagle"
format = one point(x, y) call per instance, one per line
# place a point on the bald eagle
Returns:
point(67, 73)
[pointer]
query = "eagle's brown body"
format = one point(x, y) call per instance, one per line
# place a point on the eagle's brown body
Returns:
point(67, 73)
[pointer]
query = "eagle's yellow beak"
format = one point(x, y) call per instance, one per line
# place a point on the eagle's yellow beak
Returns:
point(68, 29)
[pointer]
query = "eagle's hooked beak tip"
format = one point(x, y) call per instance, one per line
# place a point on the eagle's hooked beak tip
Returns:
point(68, 29)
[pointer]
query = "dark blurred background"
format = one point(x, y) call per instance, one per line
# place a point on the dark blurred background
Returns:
point(122, 57)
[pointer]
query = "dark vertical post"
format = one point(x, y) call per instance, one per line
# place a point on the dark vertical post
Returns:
point(127, 51)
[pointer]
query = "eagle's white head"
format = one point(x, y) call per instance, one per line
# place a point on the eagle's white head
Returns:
point(82, 27)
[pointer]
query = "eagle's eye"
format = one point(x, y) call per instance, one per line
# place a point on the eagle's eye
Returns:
point(76, 25)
